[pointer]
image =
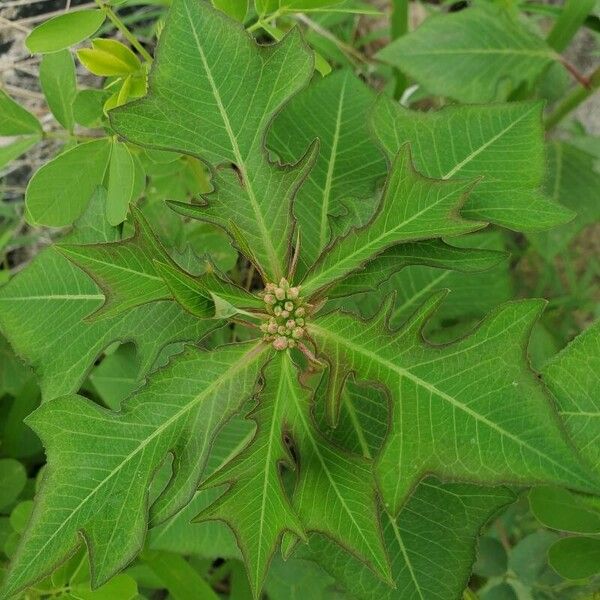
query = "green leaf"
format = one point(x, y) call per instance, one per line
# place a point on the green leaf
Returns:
point(199, 295)
point(334, 491)
point(116, 376)
point(348, 167)
point(88, 106)
point(121, 182)
point(15, 119)
point(196, 85)
point(573, 377)
point(481, 54)
point(528, 558)
point(454, 406)
point(12, 151)
point(60, 190)
point(59, 83)
point(473, 293)
point(64, 30)
point(12, 481)
point(558, 508)
point(181, 580)
point(573, 181)
point(412, 208)
point(108, 58)
point(236, 9)
point(43, 311)
point(575, 557)
point(430, 264)
point(500, 145)
point(492, 560)
point(431, 544)
point(116, 455)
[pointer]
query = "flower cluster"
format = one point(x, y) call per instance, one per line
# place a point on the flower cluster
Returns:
point(286, 307)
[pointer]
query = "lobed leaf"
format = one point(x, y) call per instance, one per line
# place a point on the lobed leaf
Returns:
point(500, 145)
point(198, 105)
point(480, 54)
point(102, 463)
point(454, 406)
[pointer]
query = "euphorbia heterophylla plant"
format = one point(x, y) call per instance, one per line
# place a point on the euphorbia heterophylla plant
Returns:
point(471, 413)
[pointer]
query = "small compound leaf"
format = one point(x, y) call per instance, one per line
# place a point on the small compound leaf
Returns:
point(121, 183)
point(60, 190)
point(575, 557)
point(557, 508)
point(59, 83)
point(15, 119)
point(64, 31)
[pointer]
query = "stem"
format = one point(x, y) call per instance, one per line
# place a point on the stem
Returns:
point(399, 27)
point(573, 100)
point(110, 13)
point(567, 24)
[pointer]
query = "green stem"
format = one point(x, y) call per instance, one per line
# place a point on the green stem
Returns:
point(570, 19)
point(110, 13)
point(398, 28)
point(573, 100)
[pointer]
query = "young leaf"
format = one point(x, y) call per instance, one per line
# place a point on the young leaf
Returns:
point(502, 145)
point(480, 54)
point(115, 457)
point(64, 31)
point(15, 119)
point(194, 107)
point(453, 406)
point(59, 83)
point(430, 253)
point(197, 294)
point(43, 311)
point(412, 208)
point(60, 190)
point(334, 492)
point(343, 180)
point(573, 377)
point(108, 58)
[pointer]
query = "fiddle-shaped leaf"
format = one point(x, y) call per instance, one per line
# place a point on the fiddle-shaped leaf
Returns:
point(198, 104)
point(501, 146)
point(334, 492)
point(114, 457)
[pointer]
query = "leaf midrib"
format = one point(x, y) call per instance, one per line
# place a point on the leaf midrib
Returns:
point(316, 449)
point(266, 238)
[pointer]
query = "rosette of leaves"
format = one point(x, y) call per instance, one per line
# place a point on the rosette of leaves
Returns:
point(469, 412)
